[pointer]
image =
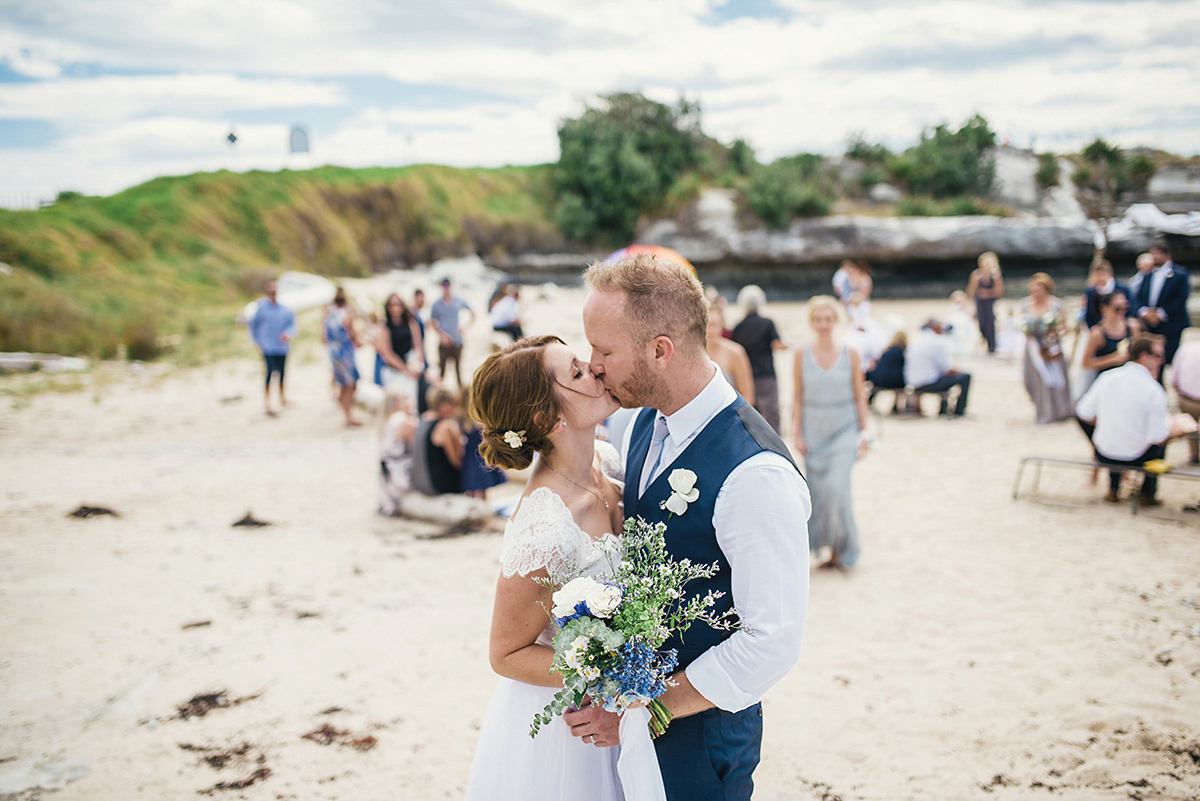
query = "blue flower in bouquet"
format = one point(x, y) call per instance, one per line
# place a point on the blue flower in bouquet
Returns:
point(641, 676)
point(607, 646)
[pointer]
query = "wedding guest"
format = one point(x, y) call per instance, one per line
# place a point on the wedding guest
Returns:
point(1107, 344)
point(1101, 282)
point(477, 475)
point(505, 313)
point(1045, 366)
point(757, 335)
point(858, 305)
point(340, 338)
point(445, 317)
point(730, 357)
point(421, 316)
point(1128, 408)
point(927, 369)
point(843, 280)
point(418, 312)
point(396, 452)
point(445, 443)
point(1185, 377)
point(395, 338)
point(960, 324)
point(984, 286)
point(830, 423)
point(1160, 298)
point(888, 370)
point(538, 406)
point(273, 327)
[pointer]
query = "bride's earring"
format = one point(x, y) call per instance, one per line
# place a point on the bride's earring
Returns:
point(563, 424)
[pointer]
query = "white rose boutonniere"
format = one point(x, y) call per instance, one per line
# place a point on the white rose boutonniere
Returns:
point(683, 491)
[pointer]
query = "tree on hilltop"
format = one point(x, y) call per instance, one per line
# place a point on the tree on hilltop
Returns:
point(1103, 174)
point(619, 160)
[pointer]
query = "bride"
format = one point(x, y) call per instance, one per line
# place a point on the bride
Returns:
point(532, 397)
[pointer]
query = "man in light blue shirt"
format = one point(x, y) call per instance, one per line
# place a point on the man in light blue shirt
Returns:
point(273, 328)
point(444, 316)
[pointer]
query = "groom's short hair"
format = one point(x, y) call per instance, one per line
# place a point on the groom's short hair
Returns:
point(662, 298)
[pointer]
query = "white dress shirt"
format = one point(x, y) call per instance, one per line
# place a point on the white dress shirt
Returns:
point(1130, 410)
point(1185, 370)
point(925, 359)
point(760, 519)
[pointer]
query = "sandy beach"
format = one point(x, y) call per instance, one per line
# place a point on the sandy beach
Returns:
point(1047, 647)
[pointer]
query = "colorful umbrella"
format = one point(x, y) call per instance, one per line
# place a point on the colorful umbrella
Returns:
point(657, 251)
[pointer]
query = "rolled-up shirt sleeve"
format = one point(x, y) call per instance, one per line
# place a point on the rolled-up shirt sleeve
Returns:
point(761, 519)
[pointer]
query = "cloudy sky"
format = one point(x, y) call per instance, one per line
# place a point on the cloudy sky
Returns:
point(99, 95)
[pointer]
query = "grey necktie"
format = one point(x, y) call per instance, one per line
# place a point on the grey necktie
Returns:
point(657, 444)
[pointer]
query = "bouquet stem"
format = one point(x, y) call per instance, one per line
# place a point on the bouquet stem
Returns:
point(660, 718)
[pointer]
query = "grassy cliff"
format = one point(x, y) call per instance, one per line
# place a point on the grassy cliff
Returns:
point(92, 273)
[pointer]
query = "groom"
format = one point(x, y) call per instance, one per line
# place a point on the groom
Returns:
point(645, 319)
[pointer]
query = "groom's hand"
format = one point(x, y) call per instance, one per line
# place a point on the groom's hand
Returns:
point(594, 724)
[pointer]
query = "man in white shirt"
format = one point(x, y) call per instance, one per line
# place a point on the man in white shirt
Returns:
point(1185, 377)
point(646, 320)
point(927, 367)
point(1129, 409)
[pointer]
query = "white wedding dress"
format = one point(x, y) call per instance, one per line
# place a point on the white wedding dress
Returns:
point(509, 765)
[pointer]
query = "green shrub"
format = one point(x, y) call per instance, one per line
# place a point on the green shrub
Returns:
point(1047, 170)
point(960, 206)
point(618, 160)
point(785, 189)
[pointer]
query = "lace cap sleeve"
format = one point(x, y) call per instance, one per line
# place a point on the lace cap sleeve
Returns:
point(610, 463)
point(542, 534)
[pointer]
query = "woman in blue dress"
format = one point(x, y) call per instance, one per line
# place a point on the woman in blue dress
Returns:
point(340, 339)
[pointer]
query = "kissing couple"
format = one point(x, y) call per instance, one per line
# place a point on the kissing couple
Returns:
point(539, 404)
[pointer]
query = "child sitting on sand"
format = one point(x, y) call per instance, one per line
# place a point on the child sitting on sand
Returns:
point(396, 453)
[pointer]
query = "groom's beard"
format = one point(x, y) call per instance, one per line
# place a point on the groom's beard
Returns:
point(640, 389)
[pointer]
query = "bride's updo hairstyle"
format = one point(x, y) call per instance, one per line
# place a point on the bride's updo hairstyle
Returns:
point(513, 399)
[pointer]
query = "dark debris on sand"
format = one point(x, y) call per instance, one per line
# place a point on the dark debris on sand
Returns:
point(200, 705)
point(328, 735)
point(459, 528)
point(239, 784)
point(92, 511)
point(249, 521)
point(198, 624)
point(245, 756)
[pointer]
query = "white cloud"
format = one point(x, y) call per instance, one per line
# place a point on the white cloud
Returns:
point(1057, 72)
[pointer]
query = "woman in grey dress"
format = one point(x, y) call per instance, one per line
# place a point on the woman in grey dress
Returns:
point(1044, 324)
point(830, 422)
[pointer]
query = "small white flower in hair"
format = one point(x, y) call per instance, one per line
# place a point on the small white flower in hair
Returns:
point(514, 439)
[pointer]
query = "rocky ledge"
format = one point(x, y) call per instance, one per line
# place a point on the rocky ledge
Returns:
point(709, 232)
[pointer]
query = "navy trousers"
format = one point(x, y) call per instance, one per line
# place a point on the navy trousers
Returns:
point(711, 756)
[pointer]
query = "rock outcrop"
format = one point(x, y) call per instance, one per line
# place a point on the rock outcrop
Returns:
point(709, 232)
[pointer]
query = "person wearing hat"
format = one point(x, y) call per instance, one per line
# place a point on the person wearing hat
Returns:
point(444, 317)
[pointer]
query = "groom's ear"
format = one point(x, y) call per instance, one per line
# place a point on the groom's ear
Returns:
point(662, 350)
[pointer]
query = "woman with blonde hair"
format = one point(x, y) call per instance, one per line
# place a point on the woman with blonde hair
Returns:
point(1044, 325)
point(829, 414)
point(985, 285)
point(538, 406)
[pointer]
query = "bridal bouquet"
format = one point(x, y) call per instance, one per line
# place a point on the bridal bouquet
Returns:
point(611, 631)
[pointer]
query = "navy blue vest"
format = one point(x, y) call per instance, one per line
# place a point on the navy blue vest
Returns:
point(735, 434)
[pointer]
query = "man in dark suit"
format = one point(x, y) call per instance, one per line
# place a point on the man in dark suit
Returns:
point(1101, 282)
point(1160, 299)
